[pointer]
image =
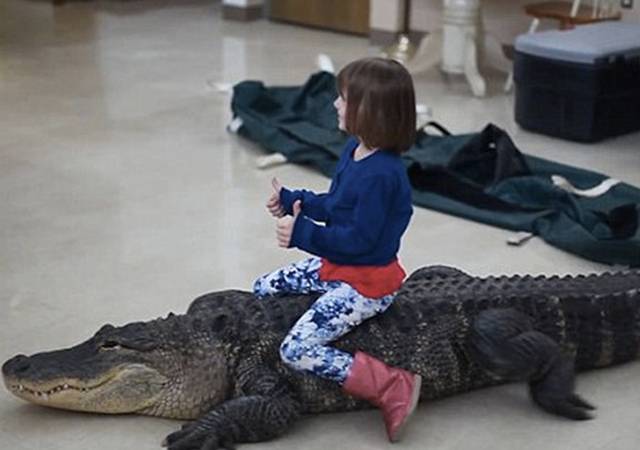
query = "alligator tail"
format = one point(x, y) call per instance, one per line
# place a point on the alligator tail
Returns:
point(604, 331)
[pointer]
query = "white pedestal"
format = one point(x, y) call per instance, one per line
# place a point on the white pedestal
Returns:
point(455, 46)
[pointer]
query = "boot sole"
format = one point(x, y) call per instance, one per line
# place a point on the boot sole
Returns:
point(415, 398)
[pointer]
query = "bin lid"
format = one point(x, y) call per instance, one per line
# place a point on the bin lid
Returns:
point(583, 44)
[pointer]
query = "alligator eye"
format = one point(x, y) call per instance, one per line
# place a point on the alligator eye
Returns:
point(110, 345)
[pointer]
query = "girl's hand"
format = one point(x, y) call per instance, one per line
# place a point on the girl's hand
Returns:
point(273, 204)
point(284, 227)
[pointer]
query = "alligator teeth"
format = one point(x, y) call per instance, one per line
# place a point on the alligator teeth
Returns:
point(46, 394)
point(45, 397)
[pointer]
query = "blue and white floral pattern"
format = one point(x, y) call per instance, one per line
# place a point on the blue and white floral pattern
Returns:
point(332, 315)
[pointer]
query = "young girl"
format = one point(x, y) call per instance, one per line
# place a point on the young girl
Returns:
point(365, 213)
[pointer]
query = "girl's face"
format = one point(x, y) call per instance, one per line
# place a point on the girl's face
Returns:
point(341, 107)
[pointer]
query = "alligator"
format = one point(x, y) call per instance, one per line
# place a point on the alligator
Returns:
point(218, 364)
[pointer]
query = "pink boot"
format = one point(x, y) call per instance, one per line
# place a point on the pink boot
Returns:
point(394, 391)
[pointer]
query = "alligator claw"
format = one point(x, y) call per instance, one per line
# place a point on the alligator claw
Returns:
point(572, 410)
point(578, 401)
point(190, 436)
point(174, 437)
point(572, 407)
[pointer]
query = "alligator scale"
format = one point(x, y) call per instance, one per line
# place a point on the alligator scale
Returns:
point(218, 364)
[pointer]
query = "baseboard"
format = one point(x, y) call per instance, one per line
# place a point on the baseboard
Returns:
point(384, 38)
point(247, 14)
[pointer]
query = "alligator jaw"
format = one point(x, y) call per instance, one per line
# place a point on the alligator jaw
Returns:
point(113, 393)
point(42, 393)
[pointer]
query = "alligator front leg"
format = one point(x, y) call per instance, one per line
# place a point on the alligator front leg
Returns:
point(264, 410)
point(504, 343)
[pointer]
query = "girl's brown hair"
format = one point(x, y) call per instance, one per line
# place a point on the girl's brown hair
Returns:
point(381, 103)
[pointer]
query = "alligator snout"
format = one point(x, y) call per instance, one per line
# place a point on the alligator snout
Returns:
point(17, 365)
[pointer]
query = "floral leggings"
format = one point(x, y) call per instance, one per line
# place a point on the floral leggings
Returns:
point(332, 315)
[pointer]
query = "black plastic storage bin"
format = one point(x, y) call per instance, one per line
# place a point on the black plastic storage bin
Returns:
point(582, 84)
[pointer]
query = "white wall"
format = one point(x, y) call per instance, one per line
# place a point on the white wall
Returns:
point(386, 15)
point(242, 3)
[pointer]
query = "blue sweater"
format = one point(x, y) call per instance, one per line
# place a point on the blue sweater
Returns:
point(365, 212)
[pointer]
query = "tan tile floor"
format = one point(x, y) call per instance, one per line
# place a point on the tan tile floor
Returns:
point(123, 197)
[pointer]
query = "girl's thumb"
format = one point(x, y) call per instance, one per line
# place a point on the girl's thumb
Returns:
point(297, 207)
point(276, 185)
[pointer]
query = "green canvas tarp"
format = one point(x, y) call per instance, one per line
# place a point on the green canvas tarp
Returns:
point(479, 176)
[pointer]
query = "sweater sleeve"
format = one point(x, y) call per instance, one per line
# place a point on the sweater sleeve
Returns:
point(361, 234)
point(313, 205)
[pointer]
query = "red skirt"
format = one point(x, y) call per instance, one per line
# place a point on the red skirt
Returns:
point(370, 281)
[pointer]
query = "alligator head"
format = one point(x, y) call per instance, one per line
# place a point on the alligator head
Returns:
point(166, 367)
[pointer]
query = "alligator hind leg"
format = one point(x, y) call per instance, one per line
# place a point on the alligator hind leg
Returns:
point(504, 343)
